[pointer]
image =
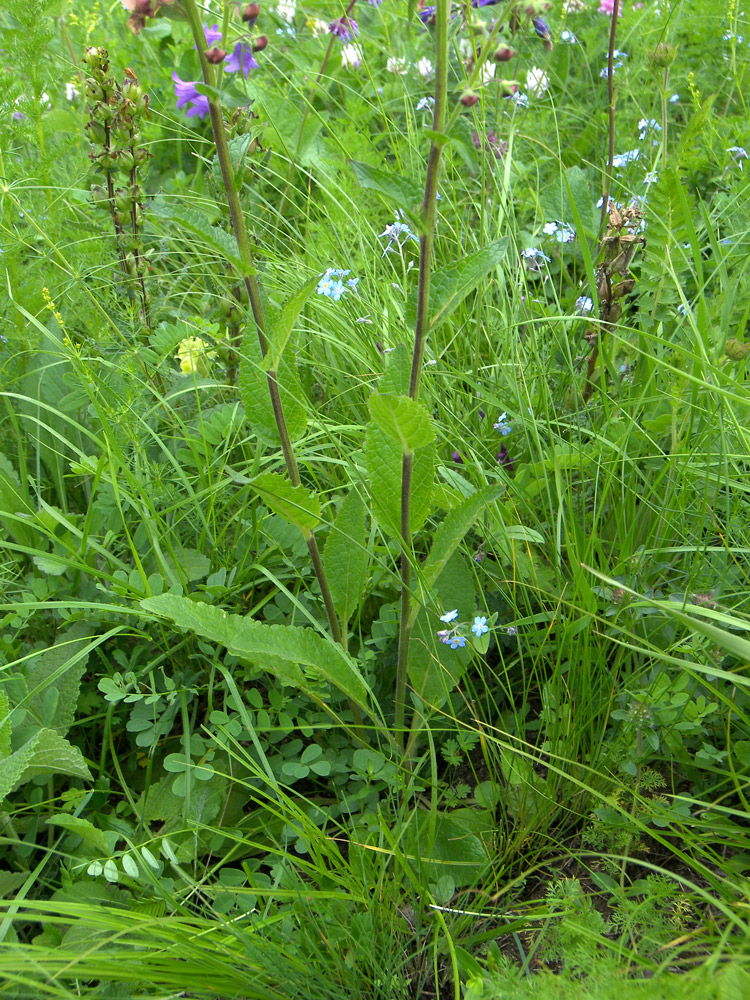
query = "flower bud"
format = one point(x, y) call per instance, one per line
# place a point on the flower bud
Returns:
point(469, 98)
point(250, 14)
point(260, 43)
point(215, 55)
point(140, 156)
point(504, 53)
point(93, 90)
point(735, 350)
point(125, 161)
point(96, 132)
point(662, 56)
point(509, 87)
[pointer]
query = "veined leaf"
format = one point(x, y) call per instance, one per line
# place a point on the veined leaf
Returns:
point(450, 285)
point(346, 558)
point(284, 324)
point(45, 753)
point(283, 650)
point(450, 533)
point(403, 420)
point(397, 190)
point(253, 387)
point(384, 461)
point(294, 503)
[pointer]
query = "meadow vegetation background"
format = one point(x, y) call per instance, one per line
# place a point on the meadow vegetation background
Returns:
point(374, 518)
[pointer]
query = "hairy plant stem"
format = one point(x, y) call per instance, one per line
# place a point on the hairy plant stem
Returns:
point(426, 245)
point(611, 115)
point(253, 290)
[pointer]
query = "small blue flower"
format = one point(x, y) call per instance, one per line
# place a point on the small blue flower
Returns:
point(568, 36)
point(449, 616)
point(550, 228)
point(480, 626)
point(457, 642)
point(511, 630)
point(584, 304)
point(426, 104)
point(502, 425)
point(674, 98)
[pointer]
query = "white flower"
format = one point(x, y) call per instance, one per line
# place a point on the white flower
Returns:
point(70, 92)
point(487, 73)
point(315, 25)
point(351, 56)
point(286, 9)
point(466, 48)
point(425, 68)
point(396, 65)
point(537, 82)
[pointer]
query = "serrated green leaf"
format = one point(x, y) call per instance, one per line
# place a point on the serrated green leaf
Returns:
point(384, 462)
point(14, 501)
point(402, 419)
point(434, 668)
point(100, 840)
point(346, 558)
point(395, 380)
point(253, 388)
point(451, 532)
point(450, 285)
point(284, 324)
point(294, 503)
point(398, 191)
point(283, 650)
point(4, 725)
point(45, 753)
point(60, 667)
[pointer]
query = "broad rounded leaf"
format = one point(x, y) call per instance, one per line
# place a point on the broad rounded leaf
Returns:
point(403, 419)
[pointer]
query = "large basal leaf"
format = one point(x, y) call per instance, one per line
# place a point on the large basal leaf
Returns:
point(450, 285)
point(294, 503)
point(402, 419)
point(451, 532)
point(282, 649)
point(346, 557)
point(254, 392)
point(384, 461)
point(458, 844)
point(45, 753)
point(399, 191)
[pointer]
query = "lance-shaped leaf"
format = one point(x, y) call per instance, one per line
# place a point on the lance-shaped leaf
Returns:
point(346, 557)
point(398, 191)
point(403, 420)
point(450, 533)
point(294, 503)
point(290, 652)
point(450, 285)
point(284, 324)
point(253, 387)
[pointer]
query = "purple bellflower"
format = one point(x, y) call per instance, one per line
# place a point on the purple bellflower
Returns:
point(186, 93)
point(241, 59)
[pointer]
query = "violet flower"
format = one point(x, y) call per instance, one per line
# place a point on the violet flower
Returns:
point(344, 28)
point(241, 59)
point(541, 28)
point(457, 457)
point(186, 93)
point(504, 458)
point(213, 35)
point(427, 15)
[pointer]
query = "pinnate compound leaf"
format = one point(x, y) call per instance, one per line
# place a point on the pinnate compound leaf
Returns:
point(403, 420)
point(45, 753)
point(384, 460)
point(450, 285)
point(450, 534)
point(252, 383)
point(346, 558)
point(294, 503)
point(284, 650)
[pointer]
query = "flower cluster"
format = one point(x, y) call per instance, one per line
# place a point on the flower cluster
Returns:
point(502, 425)
point(240, 60)
point(491, 144)
point(344, 28)
point(332, 284)
point(647, 125)
point(398, 233)
point(562, 231)
point(452, 637)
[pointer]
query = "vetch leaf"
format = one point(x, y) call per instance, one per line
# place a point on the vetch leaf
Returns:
point(294, 503)
point(346, 558)
point(450, 285)
point(403, 419)
point(283, 650)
